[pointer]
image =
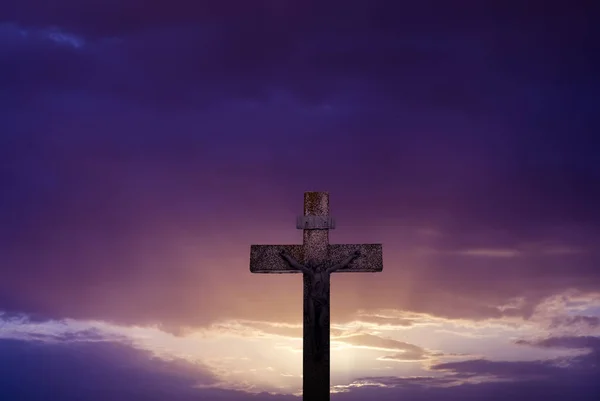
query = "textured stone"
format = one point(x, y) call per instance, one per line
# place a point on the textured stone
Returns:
point(371, 259)
point(313, 257)
point(267, 258)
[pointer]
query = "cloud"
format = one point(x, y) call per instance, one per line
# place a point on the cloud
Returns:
point(564, 369)
point(569, 321)
point(407, 352)
point(512, 370)
point(382, 320)
point(248, 50)
point(406, 356)
point(91, 369)
point(143, 150)
point(593, 343)
point(434, 389)
point(260, 329)
point(476, 379)
point(494, 253)
point(88, 369)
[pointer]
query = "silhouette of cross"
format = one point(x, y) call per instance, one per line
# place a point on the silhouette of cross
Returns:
point(316, 258)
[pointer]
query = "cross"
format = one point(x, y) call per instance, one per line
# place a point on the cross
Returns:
point(316, 259)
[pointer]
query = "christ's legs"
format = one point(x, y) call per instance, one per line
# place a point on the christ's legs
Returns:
point(318, 332)
point(311, 313)
point(312, 321)
point(322, 318)
point(320, 329)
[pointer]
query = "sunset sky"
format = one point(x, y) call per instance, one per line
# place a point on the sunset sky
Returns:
point(145, 145)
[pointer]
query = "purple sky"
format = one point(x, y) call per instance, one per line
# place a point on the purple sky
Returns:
point(146, 145)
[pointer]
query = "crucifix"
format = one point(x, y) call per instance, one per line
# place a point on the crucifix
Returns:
point(316, 258)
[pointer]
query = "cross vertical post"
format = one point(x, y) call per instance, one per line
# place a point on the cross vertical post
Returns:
point(316, 368)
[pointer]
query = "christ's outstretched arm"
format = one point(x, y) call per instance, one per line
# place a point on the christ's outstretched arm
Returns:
point(294, 263)
point(345, 262)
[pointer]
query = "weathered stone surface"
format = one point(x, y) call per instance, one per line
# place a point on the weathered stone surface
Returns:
point(370, 260)
point(315, 223)
point(313, 258)
point(267, 258)
point(316, 203)
point(316, 241)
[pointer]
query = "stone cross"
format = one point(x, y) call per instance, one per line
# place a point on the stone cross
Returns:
point(316, 259)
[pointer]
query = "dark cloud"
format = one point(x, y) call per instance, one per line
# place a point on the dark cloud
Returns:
point(592, 343)
point(69, 337)
point(569, 321)
point(477, 379)
point(437, 389)
point(143, 153)
point(97, 370)
point(92, 370)
point(512, 370)
point(403, 382)
point(581, 367)
point(549, 380)
point(185, 52)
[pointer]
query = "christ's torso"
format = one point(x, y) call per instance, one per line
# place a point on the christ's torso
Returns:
point(319, 286)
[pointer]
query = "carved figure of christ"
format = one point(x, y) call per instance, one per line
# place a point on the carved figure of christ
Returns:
point(318, 296)
point(316, 258)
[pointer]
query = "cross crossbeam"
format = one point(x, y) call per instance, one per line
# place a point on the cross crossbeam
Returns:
point(316, 259)
point(266, 259)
